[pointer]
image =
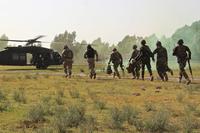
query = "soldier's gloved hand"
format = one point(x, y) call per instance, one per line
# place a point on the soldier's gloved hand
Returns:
point(153, 59)
point(188, 58)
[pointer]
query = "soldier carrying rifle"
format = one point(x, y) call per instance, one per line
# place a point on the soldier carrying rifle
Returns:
point(135, 65)
point(183, 55)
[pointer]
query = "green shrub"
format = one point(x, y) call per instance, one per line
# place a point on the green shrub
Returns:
point(19, 95)
point(46, 99)
point(4, 106)
point(2, 96)
point(89, 125)
point(190, 123)
point(149, 106)
point(60, 120)
point(45, 130)
point(59, 100)
point(60, 92)
point(99, 104)
point(197, 113)
point(46, 105)
point(36, 113)
point(117, 118)
point(159, 122)
point(191, 106)
point(138, 124)
point(75, 115)
point(130, 114)
point(74, 93)
point(28, 76)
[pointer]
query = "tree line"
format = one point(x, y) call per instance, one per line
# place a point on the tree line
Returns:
point(190, 34)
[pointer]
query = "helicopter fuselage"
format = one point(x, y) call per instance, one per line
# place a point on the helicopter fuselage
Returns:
point(41, 57)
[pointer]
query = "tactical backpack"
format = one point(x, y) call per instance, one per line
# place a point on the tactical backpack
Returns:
point(109, 69)
point(129, 68)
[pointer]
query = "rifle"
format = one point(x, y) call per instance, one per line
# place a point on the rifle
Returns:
point(190, 68)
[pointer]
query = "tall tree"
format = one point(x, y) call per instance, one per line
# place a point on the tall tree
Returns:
point(62, 39)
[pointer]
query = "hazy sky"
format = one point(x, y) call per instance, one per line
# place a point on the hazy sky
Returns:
point(109, 19)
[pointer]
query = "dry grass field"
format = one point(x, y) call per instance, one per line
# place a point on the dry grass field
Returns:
point(37, 101)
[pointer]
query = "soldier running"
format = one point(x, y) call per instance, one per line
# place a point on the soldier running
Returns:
point(135, 64)
point(144, 56)
point(117, 60)
point(67, 56)
point(90, 56)
point(162, 61)
point(183, 54)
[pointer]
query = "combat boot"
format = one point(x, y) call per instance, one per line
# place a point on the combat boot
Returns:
point(188, 81)
point(114, 74)
point(91, 75)
point(118, 75)
point(142, 77)
point(180, 78)
point(94, 75)
point(171, 72)
point(70, 74)
point(151, 78)
point(166, 77)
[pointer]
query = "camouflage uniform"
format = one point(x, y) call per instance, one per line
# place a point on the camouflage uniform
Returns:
point(183, 54)
point(67, 56)
point(117, 60)
point(135, 65)
point(161, 63)
point(144, 56)
point(90, 55)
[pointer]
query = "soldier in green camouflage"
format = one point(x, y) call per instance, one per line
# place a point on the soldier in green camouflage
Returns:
point(117, 60)
point(162, 61)
point(135, 64)
point(145, 57)
point(90, 56)
point(67, 56)
point(183, 54)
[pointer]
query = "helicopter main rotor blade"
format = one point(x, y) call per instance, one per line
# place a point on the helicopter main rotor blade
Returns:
point(38, 37)
point(14, 40)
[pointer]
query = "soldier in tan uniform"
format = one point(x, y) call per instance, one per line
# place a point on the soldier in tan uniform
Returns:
point(90, 56)
point(67, 56)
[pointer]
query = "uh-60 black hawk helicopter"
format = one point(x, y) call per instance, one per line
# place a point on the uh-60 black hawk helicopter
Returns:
point(40, 57)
